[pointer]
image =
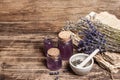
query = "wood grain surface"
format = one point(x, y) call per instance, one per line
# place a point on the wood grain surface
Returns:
point(24, 24)
point(52, 13)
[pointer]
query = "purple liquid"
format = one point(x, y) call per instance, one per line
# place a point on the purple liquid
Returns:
point(47, 45)
point(66, 49)
point(53, 64)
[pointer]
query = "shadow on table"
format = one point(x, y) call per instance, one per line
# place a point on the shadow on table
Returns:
point(5, 77)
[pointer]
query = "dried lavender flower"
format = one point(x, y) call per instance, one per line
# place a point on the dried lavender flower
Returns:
point(92, 39)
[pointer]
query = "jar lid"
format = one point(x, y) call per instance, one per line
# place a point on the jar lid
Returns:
point(54, 52)
point(65, 35)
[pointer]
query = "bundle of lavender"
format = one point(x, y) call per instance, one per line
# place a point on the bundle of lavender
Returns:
point(90, 33)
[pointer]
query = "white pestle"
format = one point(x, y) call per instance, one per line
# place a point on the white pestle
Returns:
point(83, 63)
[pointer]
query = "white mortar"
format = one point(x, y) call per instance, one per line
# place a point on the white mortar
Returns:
point(81, 70)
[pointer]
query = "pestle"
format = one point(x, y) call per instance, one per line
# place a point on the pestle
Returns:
point(84, 62)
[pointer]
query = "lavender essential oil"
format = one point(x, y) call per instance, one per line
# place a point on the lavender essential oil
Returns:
point(54, 60)
point(65, 44)
point(47, 44)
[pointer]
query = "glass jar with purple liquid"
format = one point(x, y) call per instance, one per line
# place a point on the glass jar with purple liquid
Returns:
point(47, 44)
point(54, 60)
point(65, 44)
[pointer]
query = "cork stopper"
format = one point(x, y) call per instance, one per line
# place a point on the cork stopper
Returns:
point(65, 35)
point(53, 52)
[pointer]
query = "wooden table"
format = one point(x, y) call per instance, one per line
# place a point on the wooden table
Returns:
point(22, 58)
point(23, 25)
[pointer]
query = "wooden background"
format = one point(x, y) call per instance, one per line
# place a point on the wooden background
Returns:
point(24, 23)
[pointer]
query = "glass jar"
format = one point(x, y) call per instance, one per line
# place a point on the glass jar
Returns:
point(47, 44)
point(54, 60)
point(65, 44)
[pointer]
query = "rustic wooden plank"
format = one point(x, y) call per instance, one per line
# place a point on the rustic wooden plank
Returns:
point(52, 9)
point(19, 63)
point(29, 27)
point(32, 67)
point(19, 49)
point(26, 63)
point(27, 37)
point(67, 74)
point(30, 45)
point(51, 14)
point(22, 59)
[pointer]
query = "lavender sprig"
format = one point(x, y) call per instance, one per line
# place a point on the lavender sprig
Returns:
point(92, 39)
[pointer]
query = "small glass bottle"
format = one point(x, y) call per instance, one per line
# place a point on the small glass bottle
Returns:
point(65, 44)
point(54, 60)
point(47, 44)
